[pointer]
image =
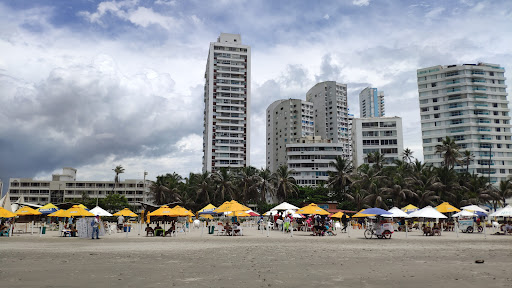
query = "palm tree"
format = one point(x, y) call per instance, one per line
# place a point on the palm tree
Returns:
point(161, 191)
point(223, 179)
point(504, 191)
point(407, 155)
point(285, 184)
point(370, 180)
point(450, 152)
point(467, 158)
point(247, 179)
point(118, 170)
point(201, 184)
point(357, 196)
point(338, 179)
point(265, 184)
point(377, 159)
point(424, 187)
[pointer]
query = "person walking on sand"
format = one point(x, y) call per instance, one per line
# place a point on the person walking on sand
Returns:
point(344, 220)
point(95, 223)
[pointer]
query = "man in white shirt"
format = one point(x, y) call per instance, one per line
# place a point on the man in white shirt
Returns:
point(120, 222)
point(95, 223)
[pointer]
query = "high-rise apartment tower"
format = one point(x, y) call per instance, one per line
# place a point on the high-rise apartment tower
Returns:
point(227, 91)
point(332, 119)
point(287, 121)
point(371, 103)
point(469, 104)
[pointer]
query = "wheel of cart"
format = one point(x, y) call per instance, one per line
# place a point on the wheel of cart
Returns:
point(469, 229)
point(368, 233)
point(480, 229)
point(386, 234)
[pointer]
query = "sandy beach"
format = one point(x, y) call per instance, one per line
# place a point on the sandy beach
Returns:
point(255, 260)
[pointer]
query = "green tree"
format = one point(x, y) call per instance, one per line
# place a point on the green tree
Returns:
point(468, 157)
point(449, 150)
point(265, 184)
point(114, 202)
point(118, 170)
point(339, 178)
point(285, 183)
point(224, 182)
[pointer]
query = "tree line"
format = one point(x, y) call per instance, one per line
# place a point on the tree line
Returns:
point(407, 181)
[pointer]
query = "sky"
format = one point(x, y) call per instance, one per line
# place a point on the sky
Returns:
point(93, 85)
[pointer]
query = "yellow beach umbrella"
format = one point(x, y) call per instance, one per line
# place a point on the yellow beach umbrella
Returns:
point(239, 214)
point(409, 208)
point(60, 213)
point(4, 213)
point(163, 211)
point(78, 211)
point(180, 211)
point(446, 207)
point(126, 213)
point(24, 211)
point(361, 215)
point(231, 206)
point(312, 209)
point(337, 215)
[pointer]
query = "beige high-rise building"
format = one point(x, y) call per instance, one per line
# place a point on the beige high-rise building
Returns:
point(227, 91)
point(332, 119)
point(287, 121)
point(469, 104)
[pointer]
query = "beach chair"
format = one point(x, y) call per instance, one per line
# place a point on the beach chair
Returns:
point(221, 230)
point(170, 232)
point(150, 230)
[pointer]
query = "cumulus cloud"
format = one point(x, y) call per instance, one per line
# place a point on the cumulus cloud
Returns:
point(129, 11)
point(86, 113)
point(361, 2)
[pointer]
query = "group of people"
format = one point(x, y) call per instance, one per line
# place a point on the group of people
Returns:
point(234, 229)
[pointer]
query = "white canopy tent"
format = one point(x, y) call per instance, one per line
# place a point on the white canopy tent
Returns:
point(284, 206)
point(474, 208)
point(286, 212)
point(397, 213)
point(503, 212)
point(428, 212)
point(463, 213)
point(98, 211)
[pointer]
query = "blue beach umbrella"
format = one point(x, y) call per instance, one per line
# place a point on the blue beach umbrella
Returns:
point(376, 211)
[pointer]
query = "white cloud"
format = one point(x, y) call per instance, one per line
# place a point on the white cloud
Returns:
point(128, 10)
point(361, 2)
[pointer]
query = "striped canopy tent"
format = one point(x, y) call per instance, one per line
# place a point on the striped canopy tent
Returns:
point(48, 209)
point(361, 215)
point(410, 208)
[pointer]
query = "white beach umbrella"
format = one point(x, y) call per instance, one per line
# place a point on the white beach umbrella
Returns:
point(273, 212)
point(98, 211)
point(474, 208)
point(284, 206)
point(503, 212)
point(397, 213)
point(428, 212)
point(463, 213)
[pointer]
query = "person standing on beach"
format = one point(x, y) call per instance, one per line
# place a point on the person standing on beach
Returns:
point(344, 220)
point(120, 222)
point(95, 223)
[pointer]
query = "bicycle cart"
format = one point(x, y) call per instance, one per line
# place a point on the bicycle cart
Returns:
point(468, 226)
point(382, 230)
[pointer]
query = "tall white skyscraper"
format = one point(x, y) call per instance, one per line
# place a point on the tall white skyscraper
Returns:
point(332, 119)
point(227, 91)
point(371, 103)
point(469, 104)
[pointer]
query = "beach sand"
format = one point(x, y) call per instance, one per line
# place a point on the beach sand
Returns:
point(255, 260)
